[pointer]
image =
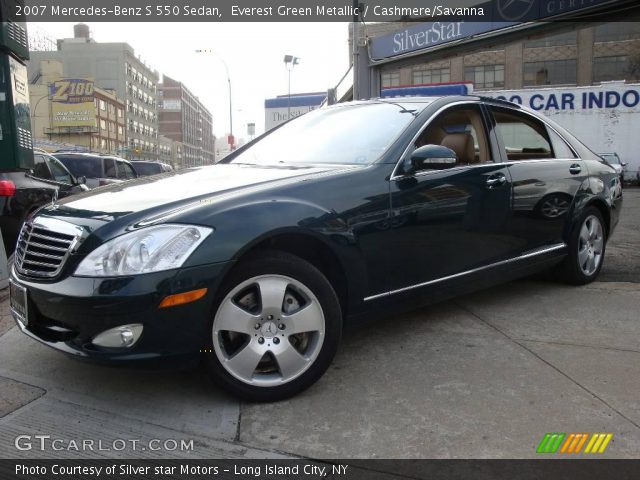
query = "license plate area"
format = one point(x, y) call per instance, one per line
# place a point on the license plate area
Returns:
point(19, 303)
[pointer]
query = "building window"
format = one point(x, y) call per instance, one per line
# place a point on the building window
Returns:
point(434, 75)
point(120, 113)
point(103, 124)
point(390, 79)
point(613, 32)
point(553, 72)
point(103, 105)
point(615, 68)
point(568, 38)
point(485, 76)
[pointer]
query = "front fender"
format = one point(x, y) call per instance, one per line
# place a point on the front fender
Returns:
point(239, 228)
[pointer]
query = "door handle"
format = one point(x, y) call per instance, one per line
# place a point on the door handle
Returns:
point(575, 169)
point(496, 180)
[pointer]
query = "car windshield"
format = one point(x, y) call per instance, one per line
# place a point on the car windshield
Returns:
point(610, 158)
point(147, 168)
point(80, 165)
point(354, 134)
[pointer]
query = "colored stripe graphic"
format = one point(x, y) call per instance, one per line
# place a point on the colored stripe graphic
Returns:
point(573, 443)
point(598, 443)
point(550, 443)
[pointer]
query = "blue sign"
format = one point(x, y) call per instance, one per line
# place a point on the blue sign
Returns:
point(425, 35)
point(486, 17)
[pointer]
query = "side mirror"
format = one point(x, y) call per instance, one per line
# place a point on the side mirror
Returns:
point(624, 164)
point(433, 157)
point(82, 180)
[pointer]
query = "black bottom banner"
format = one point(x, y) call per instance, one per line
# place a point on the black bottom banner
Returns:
point(186, 469)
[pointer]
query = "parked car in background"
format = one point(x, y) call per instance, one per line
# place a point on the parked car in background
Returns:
point(98, 169)
point(254, 264)
point(144, 169)
point(614, 160)
point(23, 192)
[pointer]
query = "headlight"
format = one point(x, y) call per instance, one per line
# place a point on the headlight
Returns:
point(151, 249)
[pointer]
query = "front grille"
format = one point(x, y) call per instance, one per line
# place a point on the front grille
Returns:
point(41, 251)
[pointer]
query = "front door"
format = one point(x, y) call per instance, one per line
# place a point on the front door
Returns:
point(450, 219)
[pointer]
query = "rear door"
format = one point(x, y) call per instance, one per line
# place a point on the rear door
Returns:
point(110, 168)
point(546, 176)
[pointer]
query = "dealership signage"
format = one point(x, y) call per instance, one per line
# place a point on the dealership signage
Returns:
point(72, 102)
point(425, 35)
point(567, 99)
point(497, 14)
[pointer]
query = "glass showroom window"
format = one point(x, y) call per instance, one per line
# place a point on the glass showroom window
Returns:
point(553, 72)
point(568, 38)
point(390, 79)
point(485, 76)
point(614, 68)
point(434, 75)
point(617, 31)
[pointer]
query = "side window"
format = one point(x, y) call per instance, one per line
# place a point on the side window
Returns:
point(60, 174)
point(110, 168)
point(524, 137)
point(560, 147)
point(462, 130)
point(40, 168)
point(125, 172)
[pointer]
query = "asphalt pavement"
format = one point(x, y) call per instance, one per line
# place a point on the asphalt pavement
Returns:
point(482, 376)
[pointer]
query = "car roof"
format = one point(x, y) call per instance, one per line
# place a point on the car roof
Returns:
point(90, 154)
point(148, 162)
point(422, 101)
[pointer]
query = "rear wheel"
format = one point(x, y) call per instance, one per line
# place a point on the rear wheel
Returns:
point(276, 328)
point(586, 249)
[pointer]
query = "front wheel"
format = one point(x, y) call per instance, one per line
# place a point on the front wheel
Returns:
point(276, 328)
point(586, 249)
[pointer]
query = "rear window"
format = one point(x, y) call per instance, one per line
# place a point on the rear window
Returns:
point(147, 168)
point(90, 167)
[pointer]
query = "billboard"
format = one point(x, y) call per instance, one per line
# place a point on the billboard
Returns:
point(72, 103)
point(278, 110)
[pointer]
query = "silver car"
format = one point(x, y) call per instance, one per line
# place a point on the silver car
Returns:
point(614, 160)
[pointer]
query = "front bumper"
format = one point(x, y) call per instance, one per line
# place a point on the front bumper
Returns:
point(66, 315)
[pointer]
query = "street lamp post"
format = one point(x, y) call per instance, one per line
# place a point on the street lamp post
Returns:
point(32, 112)
point(289, 62)
point(226, 68)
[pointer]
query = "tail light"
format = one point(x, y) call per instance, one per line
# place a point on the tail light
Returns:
point(7, 188)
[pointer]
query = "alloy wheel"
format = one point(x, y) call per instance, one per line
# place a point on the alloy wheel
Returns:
point(268, 330)
point(590, 245)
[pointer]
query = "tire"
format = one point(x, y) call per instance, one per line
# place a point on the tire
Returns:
point(587, 247)
point(275, 328)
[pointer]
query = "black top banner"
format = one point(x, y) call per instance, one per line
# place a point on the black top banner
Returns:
point(305, 10)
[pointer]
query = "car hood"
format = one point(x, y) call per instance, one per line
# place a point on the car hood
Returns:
point(176, 188)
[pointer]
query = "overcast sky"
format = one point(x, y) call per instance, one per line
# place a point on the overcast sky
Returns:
point(253, 51)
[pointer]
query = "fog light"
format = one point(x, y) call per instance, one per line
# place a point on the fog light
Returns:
point(124, 336)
